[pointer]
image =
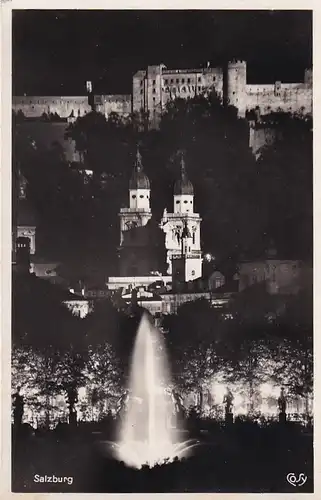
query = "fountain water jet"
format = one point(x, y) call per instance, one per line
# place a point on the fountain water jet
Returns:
point(148, 432)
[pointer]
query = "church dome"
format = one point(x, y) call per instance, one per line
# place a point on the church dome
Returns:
point(183, 185)
point(139, 179)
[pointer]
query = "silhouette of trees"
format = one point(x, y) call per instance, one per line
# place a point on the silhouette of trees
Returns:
point(285, 186)
point(191, 337)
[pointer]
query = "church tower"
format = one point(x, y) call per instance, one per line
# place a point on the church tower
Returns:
point(134, 229)
point(24, 216)
point(182, 230)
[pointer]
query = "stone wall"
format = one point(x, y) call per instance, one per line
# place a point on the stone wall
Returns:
point(65, 107)
point(33, 107)
point(293, 98)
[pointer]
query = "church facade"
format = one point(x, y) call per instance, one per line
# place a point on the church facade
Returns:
point(144, 242)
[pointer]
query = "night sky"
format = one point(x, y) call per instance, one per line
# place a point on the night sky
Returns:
point(55, 52)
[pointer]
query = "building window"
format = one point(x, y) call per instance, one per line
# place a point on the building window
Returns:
point(141, 83)
point(177, 201)
point(199, 79)
point(214, 78)
point(141, 196)
point(154, 82)
point(141, 91)
point(154, 91)
point(199, 89)
point(154, 99)
point(193, 272)
point(219, 282)
point(183, 80)
point(188, 80)
point(134, 196)
point(191, 201)
point(172, 81)
point(177, 80)
point(185, 201)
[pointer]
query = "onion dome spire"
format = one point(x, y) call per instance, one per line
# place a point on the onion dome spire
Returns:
point(139, 179)
point(183, 185)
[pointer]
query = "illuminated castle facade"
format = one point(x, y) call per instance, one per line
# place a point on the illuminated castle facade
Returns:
point(153, 87)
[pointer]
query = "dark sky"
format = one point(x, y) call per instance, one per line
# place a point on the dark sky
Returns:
point(55, 52)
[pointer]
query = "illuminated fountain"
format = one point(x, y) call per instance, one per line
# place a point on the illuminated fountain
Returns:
point(148, 433)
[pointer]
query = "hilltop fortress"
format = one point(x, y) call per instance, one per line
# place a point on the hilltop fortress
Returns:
point(154, 87)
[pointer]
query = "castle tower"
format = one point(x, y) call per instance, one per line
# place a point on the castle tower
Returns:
point(182, 230)
point(235, 87)
point(148, 94)
point(134, 233)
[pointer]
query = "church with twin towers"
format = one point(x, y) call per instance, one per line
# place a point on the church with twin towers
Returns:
point(178, 232)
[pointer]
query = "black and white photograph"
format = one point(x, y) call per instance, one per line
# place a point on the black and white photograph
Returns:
point(162, 251)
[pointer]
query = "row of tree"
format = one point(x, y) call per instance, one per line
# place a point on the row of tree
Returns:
point(56, 353)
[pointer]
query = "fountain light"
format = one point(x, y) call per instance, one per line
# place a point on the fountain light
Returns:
point(149, 433)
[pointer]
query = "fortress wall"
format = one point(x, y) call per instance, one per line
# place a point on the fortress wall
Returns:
point(120, 104)
point(35, 106)
point(288, 97)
